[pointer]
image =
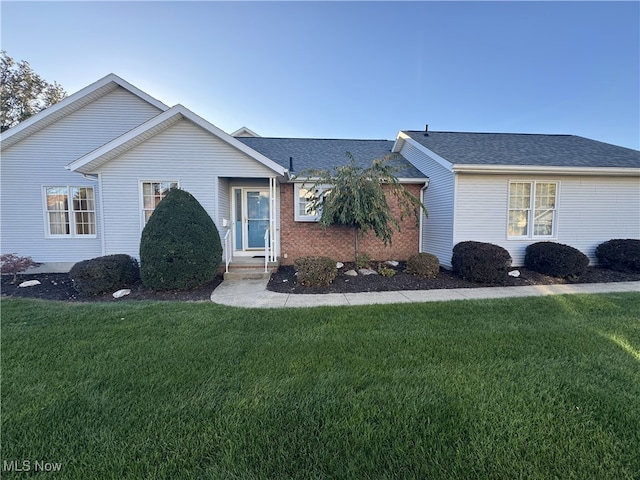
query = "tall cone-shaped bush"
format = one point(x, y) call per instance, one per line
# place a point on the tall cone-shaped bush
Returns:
point(180, 246)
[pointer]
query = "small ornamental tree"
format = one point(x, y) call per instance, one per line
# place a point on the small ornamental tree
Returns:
point(358, 198)
point(180, 246)
point(13, 264)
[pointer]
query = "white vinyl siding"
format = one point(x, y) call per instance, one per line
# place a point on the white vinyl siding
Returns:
point(38, 161)
point(184, 153)
point(437, 228)
point(590, 210)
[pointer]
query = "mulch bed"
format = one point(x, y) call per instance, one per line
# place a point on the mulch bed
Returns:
point(58, 286)
point(284, 280)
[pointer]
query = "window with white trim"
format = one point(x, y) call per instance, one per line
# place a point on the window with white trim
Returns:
point(304, 193)
point(70, 211)
point(152, 194)
point(532, 209)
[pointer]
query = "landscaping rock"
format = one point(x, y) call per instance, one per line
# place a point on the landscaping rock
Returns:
point(339, 264)
point(121, 293)
point(29, 283)
point(393, 263)
point(367, 271)
point(514, 273)
point(351, 273)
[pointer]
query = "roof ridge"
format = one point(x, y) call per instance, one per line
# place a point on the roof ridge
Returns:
point(325, 139)
point(494, 133)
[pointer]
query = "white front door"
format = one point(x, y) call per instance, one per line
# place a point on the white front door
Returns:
point(251, 219)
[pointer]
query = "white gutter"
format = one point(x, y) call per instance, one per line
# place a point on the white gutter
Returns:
point(546, 170)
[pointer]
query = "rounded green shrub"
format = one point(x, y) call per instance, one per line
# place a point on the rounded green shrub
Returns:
point(180, 246)
point(104, 274)
point(481, 262)
point(424, 265)
point(622, 255)
point(315, 271)
point(555, 259)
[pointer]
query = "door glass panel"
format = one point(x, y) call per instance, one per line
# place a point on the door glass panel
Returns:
point(237, 219)
point(257, 218)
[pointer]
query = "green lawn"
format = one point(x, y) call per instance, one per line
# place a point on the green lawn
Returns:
point(545, 387)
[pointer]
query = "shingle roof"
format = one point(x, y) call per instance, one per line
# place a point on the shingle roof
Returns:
point(525, 150)
point(314, 153)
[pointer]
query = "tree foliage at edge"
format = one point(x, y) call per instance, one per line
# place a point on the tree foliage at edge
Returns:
point(23, 92)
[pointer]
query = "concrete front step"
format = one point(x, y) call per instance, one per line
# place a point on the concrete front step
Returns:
point(246, 274)
point(247, 268)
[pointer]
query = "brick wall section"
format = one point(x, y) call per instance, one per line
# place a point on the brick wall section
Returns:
point(300, 239)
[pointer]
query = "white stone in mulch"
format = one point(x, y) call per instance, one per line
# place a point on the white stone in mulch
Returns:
point(121, 293)
point(339, 264)
point(514, 273)
point(393, 263)
point(351, 273)
point(367, 271)
point(29, 283)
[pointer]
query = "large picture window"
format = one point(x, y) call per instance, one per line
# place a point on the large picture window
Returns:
point(532, 209)
point(70, 211)
point(152, 194)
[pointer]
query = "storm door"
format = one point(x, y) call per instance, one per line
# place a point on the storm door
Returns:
point(251, 218)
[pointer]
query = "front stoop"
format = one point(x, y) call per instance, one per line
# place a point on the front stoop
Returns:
point(250, 269)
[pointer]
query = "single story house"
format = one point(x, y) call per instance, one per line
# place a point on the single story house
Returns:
point(81, 178)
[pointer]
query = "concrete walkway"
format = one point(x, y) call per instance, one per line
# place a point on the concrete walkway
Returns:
point(253, 294)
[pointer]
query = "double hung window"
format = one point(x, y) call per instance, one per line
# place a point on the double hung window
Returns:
point(70, 211)
point(305, 210)
point(152, 194)
point(532, 209)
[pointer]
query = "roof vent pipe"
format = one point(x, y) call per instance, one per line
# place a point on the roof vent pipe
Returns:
point(426, 130)
point(291, 164)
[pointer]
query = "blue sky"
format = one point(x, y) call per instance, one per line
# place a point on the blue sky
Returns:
point(357, 69)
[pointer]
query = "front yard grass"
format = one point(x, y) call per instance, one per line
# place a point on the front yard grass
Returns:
point(545, 387)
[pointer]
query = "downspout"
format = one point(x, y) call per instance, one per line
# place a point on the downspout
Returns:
point(422, 216)
point(103, 239)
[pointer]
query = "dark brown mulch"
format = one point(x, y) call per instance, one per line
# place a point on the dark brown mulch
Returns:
point(284, 280)
point(58, 286)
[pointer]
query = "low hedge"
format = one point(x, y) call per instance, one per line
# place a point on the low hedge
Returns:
point(481, 262)
point(556, 259)
point(315, 271)
point(622, 255)
point(424, 265)
point(104, 274)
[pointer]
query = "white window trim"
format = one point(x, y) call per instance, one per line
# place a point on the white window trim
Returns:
point(296, 201)
point(141, 197)
point(530, 220)
point(72, 221)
